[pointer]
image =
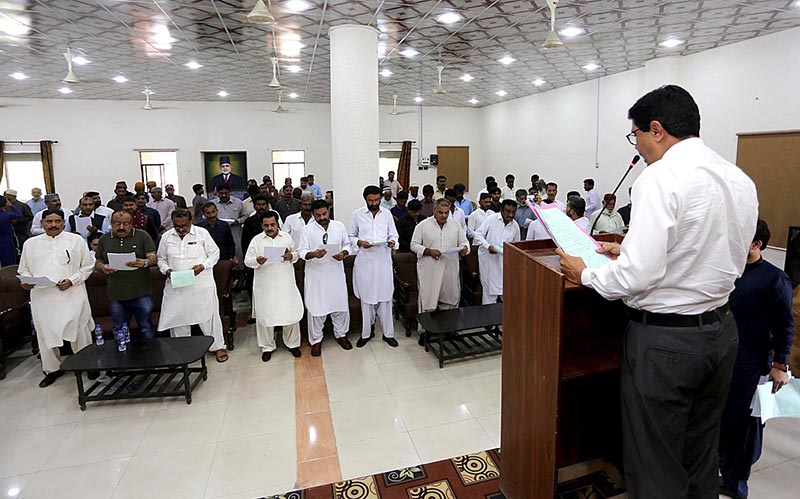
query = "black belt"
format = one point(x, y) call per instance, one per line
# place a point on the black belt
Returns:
point(678, 320)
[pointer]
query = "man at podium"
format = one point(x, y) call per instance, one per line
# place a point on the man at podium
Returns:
point(675, 271)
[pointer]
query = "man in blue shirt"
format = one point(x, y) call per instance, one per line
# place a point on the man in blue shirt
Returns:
point(36, 203)
point(313, 186)
point(462, 202)
point(762, 306)
point(524, 215)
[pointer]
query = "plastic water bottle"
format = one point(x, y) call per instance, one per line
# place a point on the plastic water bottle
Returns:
point(126, 332)
point(121, 345)
point(98, 335)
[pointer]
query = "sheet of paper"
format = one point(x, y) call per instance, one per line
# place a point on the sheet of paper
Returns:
point(119, 261)
point(181, 278)
point(378, 243)
point(81, 224)
point(568, 236)
point(274, 253)
point(784, 404)
point(42, 282)
point(227, 220)
point(332, 249)
point(498, 249)
point(450, 251)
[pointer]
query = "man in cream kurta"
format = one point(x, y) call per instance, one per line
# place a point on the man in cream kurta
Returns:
point(437, 242)
point(498, 228)
point(324, 246)
point(373, 235)
point(188, 247)
point(61, 312)
point(276, 299)
point(296, 222)
point(477, 217)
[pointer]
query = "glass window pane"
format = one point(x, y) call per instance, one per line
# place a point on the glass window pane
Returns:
point(288, 156)
point(160, 167)
point(22, 176)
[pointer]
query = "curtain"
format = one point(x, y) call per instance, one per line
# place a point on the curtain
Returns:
point(2, 159)
point(46, 148)
point(404, 166)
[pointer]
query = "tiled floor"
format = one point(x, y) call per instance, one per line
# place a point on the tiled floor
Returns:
point(241, 437)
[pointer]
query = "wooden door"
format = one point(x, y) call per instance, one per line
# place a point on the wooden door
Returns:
point(454, 164)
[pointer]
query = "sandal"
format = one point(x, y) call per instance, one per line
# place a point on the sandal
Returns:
point(222, 355)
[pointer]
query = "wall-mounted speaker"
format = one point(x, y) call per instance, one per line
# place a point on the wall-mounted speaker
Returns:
point(434, 160)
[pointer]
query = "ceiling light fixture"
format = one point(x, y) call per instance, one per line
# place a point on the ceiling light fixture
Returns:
point(448, 18)
point(506, 60)
point(293, 95)
point(297, 5)
point(418, 99)
point(119, 79)
point(501, 93)
point(80, 60)
point(293, 69)
point(552, 41)
point(538, 82)
point(409, 52)
point(65, 90)
point(473, 101)
point(671, 43)
point(193, 65)
point(386, 73)
point(260, 14)
point(570, 31)
point(19, 75)
point(223, 93)
point(591, 66)
point(14, 26)
point(466, 77)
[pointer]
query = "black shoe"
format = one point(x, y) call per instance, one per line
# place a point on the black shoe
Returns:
point(93, 375)
point(362, 341)
point(251, 320)
point(421, 340)
point(51, 378)
point(295, 352)
point(391, 341)
point(265, 356)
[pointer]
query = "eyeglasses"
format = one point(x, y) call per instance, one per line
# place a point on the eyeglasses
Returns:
point(632, 136)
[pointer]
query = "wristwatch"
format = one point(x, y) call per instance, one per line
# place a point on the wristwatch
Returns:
point(780, 367)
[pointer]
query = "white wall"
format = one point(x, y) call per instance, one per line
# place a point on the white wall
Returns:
point(97, 139)
point(744, 87)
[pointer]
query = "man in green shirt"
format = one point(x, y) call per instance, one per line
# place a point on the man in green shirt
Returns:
point(130, 292)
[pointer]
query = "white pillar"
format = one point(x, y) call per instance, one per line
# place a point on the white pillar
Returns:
point(354, 116)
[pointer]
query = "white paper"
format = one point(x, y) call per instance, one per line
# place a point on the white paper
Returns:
point(118, 261)
point(450, 251)
point(569, 237)
point(42, 282)
point(498, 249)
point(784, 404)
point(228, 220)
point(331, 249)
point(378, 243)
point(82, 225)
point(274, 253)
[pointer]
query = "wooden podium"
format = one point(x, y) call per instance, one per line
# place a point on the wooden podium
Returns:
point(562, 347)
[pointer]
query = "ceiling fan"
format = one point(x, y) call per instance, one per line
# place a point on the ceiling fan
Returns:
point(70, 78)
point(439, 88)
point(280, 109)
point(394, 111)
point(552, 41)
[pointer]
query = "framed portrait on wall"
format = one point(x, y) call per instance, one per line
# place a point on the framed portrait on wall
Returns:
point(225, 167)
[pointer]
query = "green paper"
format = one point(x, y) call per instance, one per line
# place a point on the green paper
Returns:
point(181, 278)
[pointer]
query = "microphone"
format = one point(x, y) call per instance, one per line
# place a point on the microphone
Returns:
point(605, 203)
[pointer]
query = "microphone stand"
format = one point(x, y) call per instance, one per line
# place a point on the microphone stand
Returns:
point(614, 192)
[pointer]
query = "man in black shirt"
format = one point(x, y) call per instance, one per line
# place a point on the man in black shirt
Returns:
point(220, 232)
point(285, 206)
point(407, 224)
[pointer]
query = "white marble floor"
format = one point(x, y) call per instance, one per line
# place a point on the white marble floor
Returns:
point(390, 408)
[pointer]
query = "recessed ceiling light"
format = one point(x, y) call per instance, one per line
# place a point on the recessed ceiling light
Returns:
point(19, 75)
point(591, 66)
point(473, 101)
point(409, 52)
point(538, 82)
point(671, 43)
point(13, 27)
point(80, 60)
point(501, 93)
point(193, 65)
point(294, 68)
point(571, 31)
point(386, 73)
point(293, 95)
point(506, 60)
point(223, 93)
point(418, 99)
point(297, 5)
point(448, 18)
point(65, 90)
point(467, 77)
point(119, 79)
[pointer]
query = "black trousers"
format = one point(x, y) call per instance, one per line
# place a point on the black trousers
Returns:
point(674, 383)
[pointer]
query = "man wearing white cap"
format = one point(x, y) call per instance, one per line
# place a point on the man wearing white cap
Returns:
point(387, 201)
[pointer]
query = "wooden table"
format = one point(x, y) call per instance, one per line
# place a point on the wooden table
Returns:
point(463, 332)
point(155, 368)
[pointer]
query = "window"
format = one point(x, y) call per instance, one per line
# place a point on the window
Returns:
point(22, 170)
point(288, 164)
point(388, 160)
point(160, 166)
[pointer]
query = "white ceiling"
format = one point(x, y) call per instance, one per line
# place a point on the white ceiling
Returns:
point(152, 40)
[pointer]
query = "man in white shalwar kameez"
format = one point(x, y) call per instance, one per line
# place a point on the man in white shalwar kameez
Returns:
point(61, 312)
point(276, 299)
point(325, 284)
point(189, 247)
point(434, 242)
point(296, 222)
point(477, 217)
point(498, 228)
point(373, 235)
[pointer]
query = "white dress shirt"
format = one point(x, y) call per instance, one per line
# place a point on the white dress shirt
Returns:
point(164, 207)
point(373, 274)
point(689, 236)
point(458, 215)
point(507, 192)
point(294, 227)
point(592, 202)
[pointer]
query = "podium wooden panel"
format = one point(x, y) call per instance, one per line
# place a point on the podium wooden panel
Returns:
point(562, 347)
